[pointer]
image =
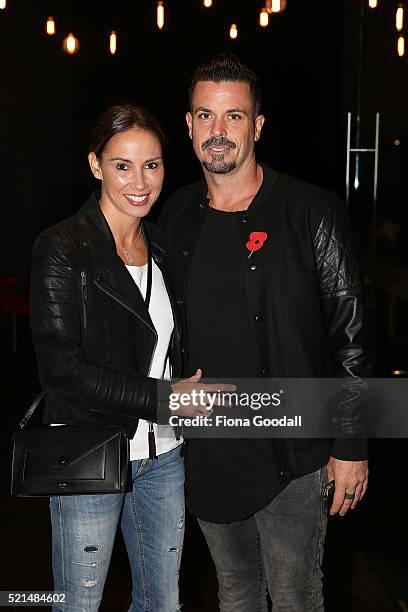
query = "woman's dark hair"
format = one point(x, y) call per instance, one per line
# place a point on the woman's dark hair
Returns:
point(120, 118)
point(227, 67)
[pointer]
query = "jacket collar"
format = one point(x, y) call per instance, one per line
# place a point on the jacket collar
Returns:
point(264, 191)
point(96, 232)
point(110, 273)
point(200, 191)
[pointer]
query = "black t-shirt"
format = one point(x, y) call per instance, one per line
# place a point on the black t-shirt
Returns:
point(226, 479)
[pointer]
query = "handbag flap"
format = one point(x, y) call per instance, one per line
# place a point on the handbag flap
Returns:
point(65, 445)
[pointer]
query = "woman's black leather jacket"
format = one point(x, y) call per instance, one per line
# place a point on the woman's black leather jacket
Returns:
point(93, 336)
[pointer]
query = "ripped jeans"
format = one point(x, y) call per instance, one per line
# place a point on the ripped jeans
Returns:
point(152, 522)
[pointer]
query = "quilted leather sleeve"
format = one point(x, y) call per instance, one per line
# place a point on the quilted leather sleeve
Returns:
point(344, 314)
point(55, 319)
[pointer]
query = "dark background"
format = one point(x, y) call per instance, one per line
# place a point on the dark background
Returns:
point(317, 61)
point(307, 59)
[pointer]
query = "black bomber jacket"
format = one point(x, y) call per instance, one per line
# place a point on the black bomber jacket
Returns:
point(304, 296)
point(93, 336)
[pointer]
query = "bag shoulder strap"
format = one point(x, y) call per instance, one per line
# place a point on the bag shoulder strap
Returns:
point(30, 411)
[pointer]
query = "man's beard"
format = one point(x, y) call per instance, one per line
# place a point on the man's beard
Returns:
point(217, 165)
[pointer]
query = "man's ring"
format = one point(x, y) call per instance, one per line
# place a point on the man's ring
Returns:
point(349, 495)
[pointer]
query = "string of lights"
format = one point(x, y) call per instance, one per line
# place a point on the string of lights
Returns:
point(399, 24)
point(71, 43)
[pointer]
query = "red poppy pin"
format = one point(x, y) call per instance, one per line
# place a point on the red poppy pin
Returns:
point(256, 241)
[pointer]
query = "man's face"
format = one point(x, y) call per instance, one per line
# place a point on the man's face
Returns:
point(222, 125)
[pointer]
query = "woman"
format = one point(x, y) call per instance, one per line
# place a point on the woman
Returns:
point(104, 329)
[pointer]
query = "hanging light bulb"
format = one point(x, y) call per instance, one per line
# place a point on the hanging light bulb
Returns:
point(3, 4)
point(401, 46)
point(70, 44)
point(207, 3)
point(233, 31)
point(399, 18)
point(373, 3)
point(50, 28)
point(160, 14)
point(263, 18)
point(113, 42)
point(275, 6)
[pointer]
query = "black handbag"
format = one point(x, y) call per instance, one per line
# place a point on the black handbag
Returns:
point(68, 459)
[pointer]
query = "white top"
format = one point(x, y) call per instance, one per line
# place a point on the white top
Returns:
point(162, 319)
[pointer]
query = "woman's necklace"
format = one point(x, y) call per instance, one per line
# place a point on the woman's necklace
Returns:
point(128, 254)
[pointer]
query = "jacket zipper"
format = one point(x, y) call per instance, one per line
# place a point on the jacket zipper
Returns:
point(150, 435)
point(83, 296)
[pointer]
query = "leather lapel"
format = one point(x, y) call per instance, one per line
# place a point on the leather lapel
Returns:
point(110, 273)
point(114, 280)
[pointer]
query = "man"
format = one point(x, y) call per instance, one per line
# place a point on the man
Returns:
point(291, 309)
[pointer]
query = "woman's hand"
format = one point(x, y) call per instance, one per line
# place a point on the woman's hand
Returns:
point(192, 395)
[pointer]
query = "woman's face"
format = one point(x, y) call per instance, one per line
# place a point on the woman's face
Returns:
point(131, 171)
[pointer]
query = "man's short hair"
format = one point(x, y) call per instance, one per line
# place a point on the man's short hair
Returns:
point(227, 67)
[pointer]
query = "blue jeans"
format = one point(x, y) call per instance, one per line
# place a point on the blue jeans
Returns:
point(152, 522)
point(279, 548)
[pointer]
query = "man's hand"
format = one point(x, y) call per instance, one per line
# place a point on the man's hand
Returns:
point(350, 481)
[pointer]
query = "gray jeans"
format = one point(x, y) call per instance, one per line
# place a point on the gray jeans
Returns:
point(279, 548)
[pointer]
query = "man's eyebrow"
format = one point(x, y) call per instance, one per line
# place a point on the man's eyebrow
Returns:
point(202, 109)
point(237, 110)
